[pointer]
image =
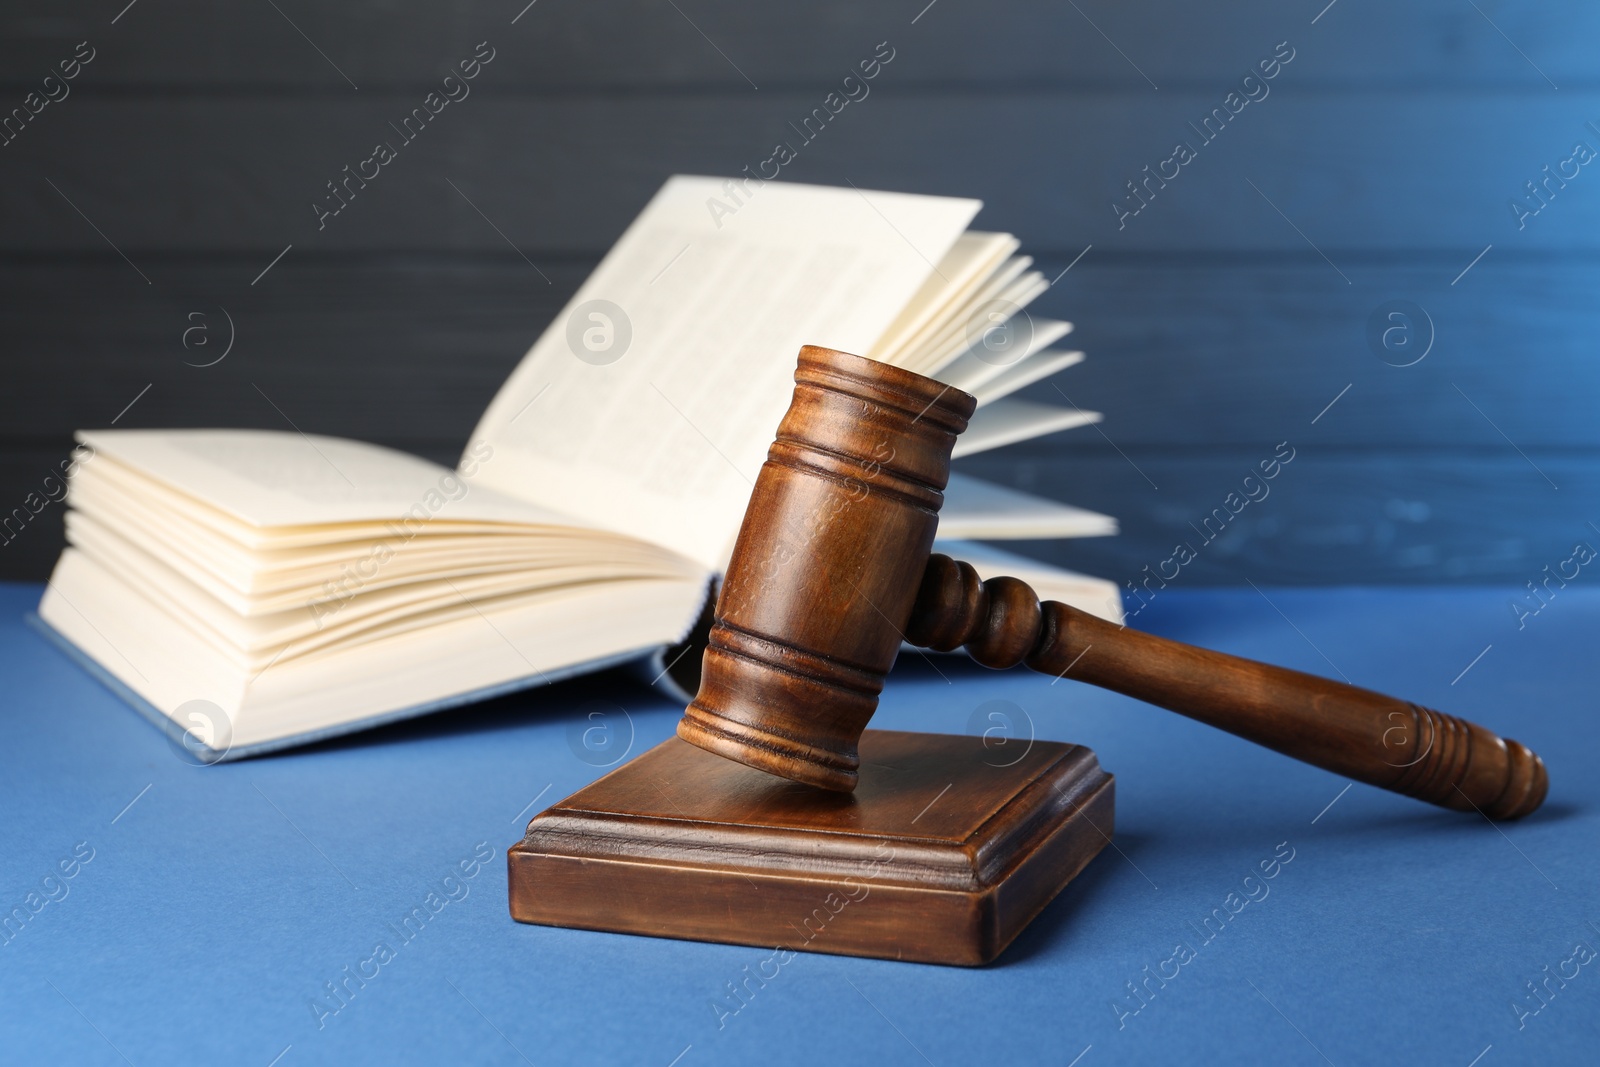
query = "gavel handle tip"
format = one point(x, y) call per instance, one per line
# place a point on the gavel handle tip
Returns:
point(1527, 784)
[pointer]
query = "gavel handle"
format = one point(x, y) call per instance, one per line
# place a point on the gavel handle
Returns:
point(1353, 732)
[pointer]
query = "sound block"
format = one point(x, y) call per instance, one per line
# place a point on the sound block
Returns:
point(946, 850)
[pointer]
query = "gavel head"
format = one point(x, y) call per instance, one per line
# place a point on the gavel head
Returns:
point(826, 569)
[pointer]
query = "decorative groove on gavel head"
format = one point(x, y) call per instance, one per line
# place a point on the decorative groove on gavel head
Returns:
point(827, 564)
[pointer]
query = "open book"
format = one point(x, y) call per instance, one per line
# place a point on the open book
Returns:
point(303, 586)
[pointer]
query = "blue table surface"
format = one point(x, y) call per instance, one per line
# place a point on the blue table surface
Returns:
point(218, 903)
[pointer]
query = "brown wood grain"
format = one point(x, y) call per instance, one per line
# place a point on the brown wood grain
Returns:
point(941, 855)
point(1377, 739)
point(820, 595)
point(838, 530)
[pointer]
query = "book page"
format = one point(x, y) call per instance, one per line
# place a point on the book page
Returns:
point(648, 405)
point(978, 365)
point(266, 478)
point(976, 509)
point(970, 263)
point(1036, 368)
point(991, 310)
point(150, 649)
point(969, 316)
point(1005, 422)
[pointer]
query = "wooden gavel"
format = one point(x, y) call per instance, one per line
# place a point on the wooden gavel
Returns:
point(833, 568)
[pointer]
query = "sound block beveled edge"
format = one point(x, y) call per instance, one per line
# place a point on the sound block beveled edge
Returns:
point(681, 843)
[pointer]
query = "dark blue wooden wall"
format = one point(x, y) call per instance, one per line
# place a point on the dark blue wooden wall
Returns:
point(1378, 164)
